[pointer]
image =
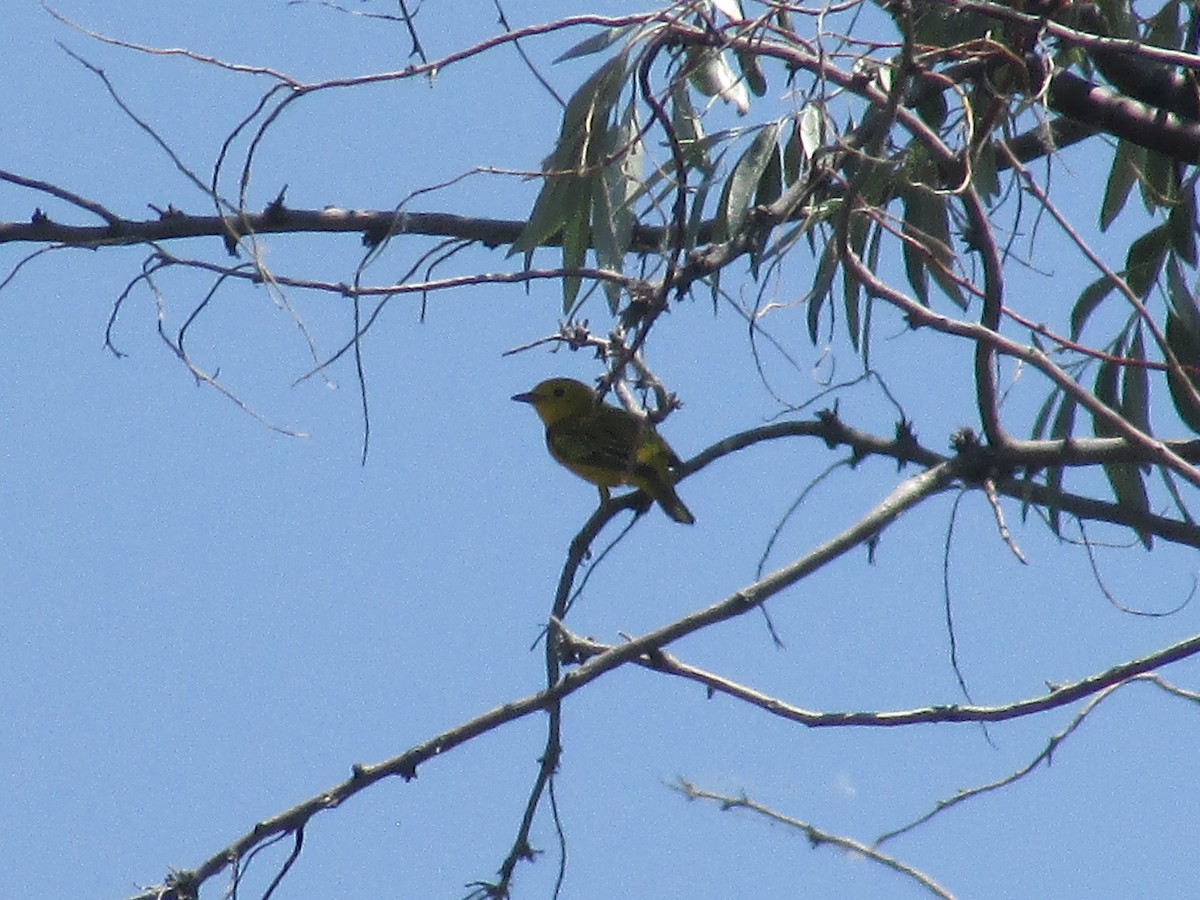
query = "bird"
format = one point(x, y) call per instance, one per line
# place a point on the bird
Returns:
point(604, 444)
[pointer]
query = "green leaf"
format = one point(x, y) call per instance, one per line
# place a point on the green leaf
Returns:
point(1145, 259)
point(1185, 344)
point(984, 175)
point(1128, 161)
point(587, 114)
point(915, 271)
point(1042, 419)
point(744, 180)
point(926, 221)
point(574, 165)
point(1182, 300)
point(574, 251)
point(594, 44)
point(874, 248)
point(1087, 302)
point(859, 230)
point(688, 129)
point(1105, 389)
point(812, 128)
point(1130, 491)
point(612, 206)
point(1125, 479)
point(770, 185)
point(1135, 385)
point(1061, 430)
point(822, 282)
point(1181, 222)
point(699, 203)
point(1159, 187)
point(620, 183)
point(751, 72)
point(946, 26)
point(793, 157)
point(1164, 27)
point(1064, 420)
point(563, 199)
point(1168, 481)
point(1119, 17)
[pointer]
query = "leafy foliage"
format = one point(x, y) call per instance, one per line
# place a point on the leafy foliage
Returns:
point(910, 151)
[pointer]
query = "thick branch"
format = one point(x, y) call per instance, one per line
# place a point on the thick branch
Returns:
point(373, 225)
point(1118, 115)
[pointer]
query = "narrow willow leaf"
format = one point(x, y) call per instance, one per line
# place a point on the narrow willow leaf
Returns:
point(619, 184)
point(859, 230)
point(699, 203)
point(1182, 300)
point(1185, 344)
point(1063, 426)
point(1182, 223)
point(915, 271)
point(608, 237)
point(874, 249)
point(1164, 28)
point(1119, 16)
point(594, 44)
point(1127, 162)
point(1145, 260)
point(947, 26)
point(1087, 302)
point(822, 281)
point(587, 114)
point(1168, 481)
point(812, 129)
point(1130, 491)
point(984, 175)
point(688, 129)
point(1159, 186)
point(1105, 389)
point(1042, 419)
point(747, 173)
point(770, 186)
point(793, 157)
point(574, 251)
point(1125, 479)
point(565, 198)
point(1135, 385)
point(1061, 430)
point(926, 220)
point(557, 203)
point(752, 72)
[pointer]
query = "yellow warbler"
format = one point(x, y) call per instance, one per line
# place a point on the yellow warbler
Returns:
point(605, 445)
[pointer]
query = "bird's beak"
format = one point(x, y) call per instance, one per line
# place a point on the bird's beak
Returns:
point(527, 397)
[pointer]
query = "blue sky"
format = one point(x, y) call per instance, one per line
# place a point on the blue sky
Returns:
point(209, 622)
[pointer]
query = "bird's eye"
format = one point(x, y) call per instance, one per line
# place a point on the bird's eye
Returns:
point(558, 392)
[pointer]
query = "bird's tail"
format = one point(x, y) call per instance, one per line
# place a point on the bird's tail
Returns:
point(673, 506)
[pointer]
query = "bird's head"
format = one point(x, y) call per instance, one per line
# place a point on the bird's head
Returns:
point(559, 398)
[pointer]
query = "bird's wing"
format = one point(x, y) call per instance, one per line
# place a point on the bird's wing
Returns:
point(592, 445)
